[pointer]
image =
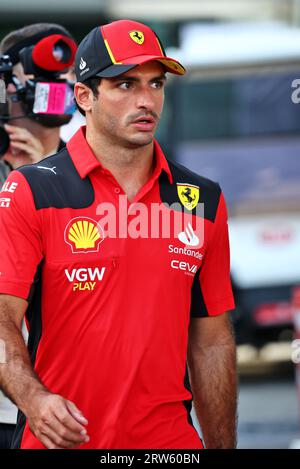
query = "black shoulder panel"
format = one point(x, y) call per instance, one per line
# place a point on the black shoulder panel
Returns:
point(210, 191)
point(54, 182)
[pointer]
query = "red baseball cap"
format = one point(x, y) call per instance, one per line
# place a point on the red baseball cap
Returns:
point(112, 49)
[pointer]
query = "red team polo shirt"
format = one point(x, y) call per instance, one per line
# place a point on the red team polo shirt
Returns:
point(108, 317)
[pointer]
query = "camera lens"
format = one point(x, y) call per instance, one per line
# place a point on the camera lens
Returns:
point(58, 53)
point(62, 51)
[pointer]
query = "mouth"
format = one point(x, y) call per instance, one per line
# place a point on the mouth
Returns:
point(144, 120)
point(144, 123)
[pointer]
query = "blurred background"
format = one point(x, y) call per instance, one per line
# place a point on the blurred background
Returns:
point(235, 118)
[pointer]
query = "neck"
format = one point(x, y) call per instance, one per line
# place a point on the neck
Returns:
point(132, 166)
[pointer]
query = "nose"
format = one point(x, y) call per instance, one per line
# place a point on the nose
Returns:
point(145, 99)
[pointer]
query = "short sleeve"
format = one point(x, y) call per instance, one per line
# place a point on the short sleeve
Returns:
point(212, 292)
point(21, 245)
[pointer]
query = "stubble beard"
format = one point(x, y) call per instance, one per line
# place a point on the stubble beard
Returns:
point(125, 140)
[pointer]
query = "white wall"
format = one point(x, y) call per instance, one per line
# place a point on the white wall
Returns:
point(72, 6)
point(192, 9)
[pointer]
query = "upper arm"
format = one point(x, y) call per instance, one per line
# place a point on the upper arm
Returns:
point(209, 332)
point(12, 310)
point(21, 245)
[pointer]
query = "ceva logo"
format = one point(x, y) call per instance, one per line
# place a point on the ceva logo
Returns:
point(185, 266)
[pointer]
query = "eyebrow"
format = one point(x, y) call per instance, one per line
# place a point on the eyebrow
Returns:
point(134, 79)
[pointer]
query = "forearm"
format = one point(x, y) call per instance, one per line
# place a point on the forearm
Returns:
point(214, 385)
point(54, 420)
point(17, 377)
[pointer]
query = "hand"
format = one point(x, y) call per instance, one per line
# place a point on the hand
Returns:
point(56, 422)
point(24, 147)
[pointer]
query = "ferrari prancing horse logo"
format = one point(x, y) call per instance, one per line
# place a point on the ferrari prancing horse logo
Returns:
point(188, 195)
point(137, 36)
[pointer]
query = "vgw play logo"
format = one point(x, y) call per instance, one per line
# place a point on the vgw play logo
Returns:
point(85, 278)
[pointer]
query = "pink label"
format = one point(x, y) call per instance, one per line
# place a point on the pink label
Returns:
point(53, 98)
point(56, 98)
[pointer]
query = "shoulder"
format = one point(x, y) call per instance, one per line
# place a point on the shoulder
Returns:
point(55, 182)
point(180, 173)
point(53, 164)
point(209, 191)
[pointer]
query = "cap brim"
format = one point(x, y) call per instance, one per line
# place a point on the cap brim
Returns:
point(114, 70)
point(171, 65)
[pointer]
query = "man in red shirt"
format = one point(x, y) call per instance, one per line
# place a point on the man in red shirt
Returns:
point(121, 312)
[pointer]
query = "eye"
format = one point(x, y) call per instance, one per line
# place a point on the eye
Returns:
point(157, 84)
point(125, 85)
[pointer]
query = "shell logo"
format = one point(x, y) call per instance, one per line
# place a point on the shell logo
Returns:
point(83, 234)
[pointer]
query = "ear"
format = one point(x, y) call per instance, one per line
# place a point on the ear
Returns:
point(84, 96)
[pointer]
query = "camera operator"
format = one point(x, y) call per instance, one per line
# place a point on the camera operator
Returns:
point(32, 135)
point(27, 135)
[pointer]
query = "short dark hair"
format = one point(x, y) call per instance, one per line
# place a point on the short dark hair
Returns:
point(92, 83)
point(18, 35)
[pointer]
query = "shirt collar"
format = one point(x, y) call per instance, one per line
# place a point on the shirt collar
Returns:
point(81, 154)
point(161, 162)
point(85, 161)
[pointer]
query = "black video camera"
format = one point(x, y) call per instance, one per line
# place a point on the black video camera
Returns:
point(5, 78)
point(45, 98)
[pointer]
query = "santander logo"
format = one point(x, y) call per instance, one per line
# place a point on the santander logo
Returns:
point(82, 64)
point(188, 236)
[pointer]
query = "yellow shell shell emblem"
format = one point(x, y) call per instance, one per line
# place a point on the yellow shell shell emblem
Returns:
point(83, 235)
point(137, 36)
point(188, 195)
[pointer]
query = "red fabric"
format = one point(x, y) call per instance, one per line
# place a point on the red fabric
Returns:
point(43, 57)
point(126, 51)
point(126, 47)
point(215, 272)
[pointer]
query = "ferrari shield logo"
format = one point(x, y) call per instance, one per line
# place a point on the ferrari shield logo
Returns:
point(188, 195)
point(137, 36)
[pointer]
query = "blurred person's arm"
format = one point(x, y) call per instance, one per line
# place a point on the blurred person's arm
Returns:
point(213, 378)
point(55, 421)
